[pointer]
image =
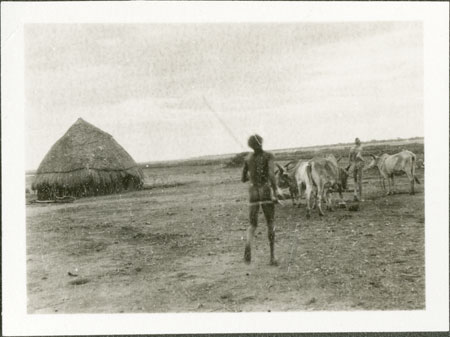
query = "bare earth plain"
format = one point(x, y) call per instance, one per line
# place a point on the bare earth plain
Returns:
point(178, 247)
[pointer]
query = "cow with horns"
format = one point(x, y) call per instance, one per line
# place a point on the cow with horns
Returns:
point(317, 178)
point(396, 164)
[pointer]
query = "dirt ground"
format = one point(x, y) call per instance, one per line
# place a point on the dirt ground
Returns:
point(179, 248)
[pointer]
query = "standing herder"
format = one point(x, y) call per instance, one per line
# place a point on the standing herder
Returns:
point(260, 166)
point(356, 163)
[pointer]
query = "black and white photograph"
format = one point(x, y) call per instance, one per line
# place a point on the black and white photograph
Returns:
point(205, 166)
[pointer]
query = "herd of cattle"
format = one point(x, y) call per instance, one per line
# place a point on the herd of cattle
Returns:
point(318, 177)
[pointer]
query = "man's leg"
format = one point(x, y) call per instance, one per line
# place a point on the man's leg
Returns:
point(411, 182)
point(359, 176)
point(269, 213)
point(254, 209)
point(355, 183)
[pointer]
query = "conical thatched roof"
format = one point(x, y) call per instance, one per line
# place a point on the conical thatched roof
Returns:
point(86, 161)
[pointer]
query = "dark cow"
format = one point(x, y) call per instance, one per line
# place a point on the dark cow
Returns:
point(285, 179)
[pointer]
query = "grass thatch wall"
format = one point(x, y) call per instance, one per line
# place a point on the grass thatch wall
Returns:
point(86, 161)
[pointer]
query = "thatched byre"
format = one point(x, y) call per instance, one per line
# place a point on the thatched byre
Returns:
point(86, 161)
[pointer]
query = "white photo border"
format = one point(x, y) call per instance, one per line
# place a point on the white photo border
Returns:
point(435, 20)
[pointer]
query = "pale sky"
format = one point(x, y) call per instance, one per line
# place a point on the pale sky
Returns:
point(294, 84)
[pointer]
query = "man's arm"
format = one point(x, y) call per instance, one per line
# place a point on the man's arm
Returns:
point(273, 182)
point(245, 172)
point(350, 155)
point(359, 155)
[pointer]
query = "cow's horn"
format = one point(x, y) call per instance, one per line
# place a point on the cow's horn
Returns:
point(289, 163)
point(280, 167)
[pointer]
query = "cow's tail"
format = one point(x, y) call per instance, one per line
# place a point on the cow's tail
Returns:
point(413, 168)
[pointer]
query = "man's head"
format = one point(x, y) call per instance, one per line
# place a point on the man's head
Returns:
point(357, 141)
point(255, 142)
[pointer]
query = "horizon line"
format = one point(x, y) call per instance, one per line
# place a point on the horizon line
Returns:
point(204, 157)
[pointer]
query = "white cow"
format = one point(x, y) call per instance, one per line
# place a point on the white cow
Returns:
point(323, 176)
point(390, 165)
point(317, 178)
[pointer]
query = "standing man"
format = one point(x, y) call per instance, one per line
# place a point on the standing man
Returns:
point(260, 166)
point(356, 163)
